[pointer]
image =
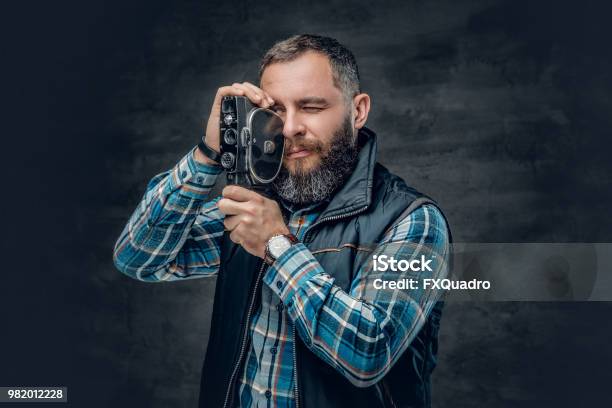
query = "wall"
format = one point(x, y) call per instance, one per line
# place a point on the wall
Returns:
point(498, 109)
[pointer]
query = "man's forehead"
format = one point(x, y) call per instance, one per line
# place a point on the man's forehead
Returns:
point(309, 74)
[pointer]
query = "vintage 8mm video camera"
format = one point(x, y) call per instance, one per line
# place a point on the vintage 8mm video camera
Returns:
point(252, 143)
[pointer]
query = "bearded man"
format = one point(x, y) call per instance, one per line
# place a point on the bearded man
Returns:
point(296, 319)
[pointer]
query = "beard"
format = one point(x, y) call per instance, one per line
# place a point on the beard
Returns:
point(308, 187)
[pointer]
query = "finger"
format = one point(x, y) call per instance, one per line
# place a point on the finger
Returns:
point(241, 194)
point(231, 222)
point(230, 207)
point(227, 91)
point(261, 92)
point(255, 96)
point(236, 237)
point(258, 91)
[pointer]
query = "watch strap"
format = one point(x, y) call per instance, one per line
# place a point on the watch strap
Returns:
point(209, 152)
point(292, 238)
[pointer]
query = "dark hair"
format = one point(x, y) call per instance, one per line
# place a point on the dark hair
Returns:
point(341, 59)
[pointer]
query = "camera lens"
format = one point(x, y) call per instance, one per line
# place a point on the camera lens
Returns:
point(230, 136)
point(227, 160)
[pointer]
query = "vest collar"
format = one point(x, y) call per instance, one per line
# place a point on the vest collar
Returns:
point(356, 193)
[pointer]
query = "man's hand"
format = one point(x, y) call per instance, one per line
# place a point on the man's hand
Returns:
point(251, 218)
point(253, 93)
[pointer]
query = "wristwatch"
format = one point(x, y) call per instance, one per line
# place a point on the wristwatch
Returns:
point(277, 245)
point(209, 152)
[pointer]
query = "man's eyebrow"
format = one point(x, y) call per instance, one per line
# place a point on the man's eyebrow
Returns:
point(316, 100)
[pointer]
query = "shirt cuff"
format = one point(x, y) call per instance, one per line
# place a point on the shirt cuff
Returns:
point(192, 178)
point(291, 272)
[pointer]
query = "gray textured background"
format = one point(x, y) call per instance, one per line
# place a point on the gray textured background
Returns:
point(498, 109)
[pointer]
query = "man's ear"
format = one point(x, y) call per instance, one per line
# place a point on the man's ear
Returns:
point(361, 109)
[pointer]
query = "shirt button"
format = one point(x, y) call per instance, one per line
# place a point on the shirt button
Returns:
point(279, 284)
point(280, 307)
point(290, 303)
point(273, 350)
point(184, 173)
point(268, 394)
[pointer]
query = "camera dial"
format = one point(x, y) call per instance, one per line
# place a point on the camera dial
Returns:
point(229, 136)
point(227, 160)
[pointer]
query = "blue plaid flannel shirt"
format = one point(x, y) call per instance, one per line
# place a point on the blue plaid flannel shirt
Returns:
point(174, 234)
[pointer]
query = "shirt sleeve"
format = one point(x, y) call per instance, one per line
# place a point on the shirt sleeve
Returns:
point(174, 233)
point(362, 333)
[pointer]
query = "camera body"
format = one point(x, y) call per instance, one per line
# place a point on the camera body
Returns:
point(252, 143)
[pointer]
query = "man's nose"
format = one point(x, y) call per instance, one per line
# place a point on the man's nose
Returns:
point(293, 126)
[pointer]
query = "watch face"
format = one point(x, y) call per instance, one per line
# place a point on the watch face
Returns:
point(278, 245)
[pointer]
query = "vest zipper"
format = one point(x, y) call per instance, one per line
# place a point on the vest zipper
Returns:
point(245, 337)
point(296, 390)
point(334, 218)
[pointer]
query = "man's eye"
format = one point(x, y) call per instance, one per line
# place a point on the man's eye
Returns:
point(312, 109)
